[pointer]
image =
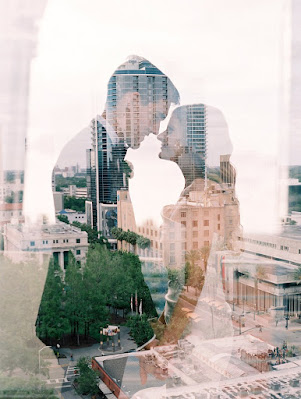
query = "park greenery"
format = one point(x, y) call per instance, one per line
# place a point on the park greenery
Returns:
point(63, 182)
point(77, 204)
point(87, 382)
point(130, 237)
point(63, 218)
point(86, 298)
point(140, 327)
point(13, 387)
point(94, 236)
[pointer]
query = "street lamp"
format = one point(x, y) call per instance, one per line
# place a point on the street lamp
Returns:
point(239, 320)
point(40, 350)
point(286, 311)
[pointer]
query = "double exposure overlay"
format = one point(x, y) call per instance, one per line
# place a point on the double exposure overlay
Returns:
point(160, 275)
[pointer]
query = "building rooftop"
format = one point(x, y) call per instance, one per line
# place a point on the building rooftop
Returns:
point(181, 366)
point(57, 228)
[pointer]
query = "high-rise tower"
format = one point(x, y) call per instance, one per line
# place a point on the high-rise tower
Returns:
point(139, 97)
point(185, 141)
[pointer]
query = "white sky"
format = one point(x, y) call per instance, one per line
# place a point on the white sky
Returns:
point(228, 54)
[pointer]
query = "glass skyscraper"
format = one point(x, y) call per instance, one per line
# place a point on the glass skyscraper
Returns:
point(139, 97)
point(185, 141)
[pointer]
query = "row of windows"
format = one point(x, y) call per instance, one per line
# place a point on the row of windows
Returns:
point(5, 214)
point(195, 223)
point(195, 214)
point(33, 243)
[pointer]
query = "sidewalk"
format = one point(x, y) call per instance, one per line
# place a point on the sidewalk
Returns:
point(126, 344)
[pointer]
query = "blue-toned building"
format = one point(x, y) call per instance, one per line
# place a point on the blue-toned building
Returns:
point(139, 97)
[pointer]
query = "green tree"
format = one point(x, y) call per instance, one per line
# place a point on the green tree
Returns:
point(94, 236)
point(63, 182)
point(77, 204)
point(74, 300)
point(63, 218)
point(51, 321)
point(95, 289)
point(204, 253)
point(141, 330)
point(130, 237)
point(297, 275)
point(88, 378)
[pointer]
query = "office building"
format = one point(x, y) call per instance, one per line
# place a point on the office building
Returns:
point(139, 97)
point(186, 138)
point(190, 225)
point(227, 171)
point(57, 240)
point(284, 247)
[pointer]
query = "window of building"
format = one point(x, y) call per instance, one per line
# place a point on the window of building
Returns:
point(77, 240)
point(172, 258)
point(172, 247)
point(183, 223)
point(218, 217)
point(284, 248)
point(206, 233)
point(171, 235)
point(32, 243)
point(195, 245)
point(184, 245)
point(195, 234)
point(183, 214)
point(194, 223)
point(206, 243)
point(206, 222)
point(299, 251)
point(78, 252)
point(156, 233)
point(151, 232)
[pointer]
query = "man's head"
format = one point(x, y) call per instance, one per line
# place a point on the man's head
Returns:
point(138, 99)
point(185, 140)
